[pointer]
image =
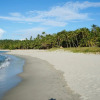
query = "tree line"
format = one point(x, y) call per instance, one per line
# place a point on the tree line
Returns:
point(82, 37)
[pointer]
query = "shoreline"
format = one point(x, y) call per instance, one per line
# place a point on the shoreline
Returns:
point(48, 83)
point(8, 73)
point(81, 71)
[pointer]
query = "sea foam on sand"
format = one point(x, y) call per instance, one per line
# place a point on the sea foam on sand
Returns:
point(81, 71)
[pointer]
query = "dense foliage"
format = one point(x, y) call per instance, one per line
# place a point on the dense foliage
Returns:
point(82, 37)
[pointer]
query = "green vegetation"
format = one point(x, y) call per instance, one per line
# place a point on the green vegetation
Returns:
point(85, 49)
point(69, 40)
point(94, 50)
point(79, 49)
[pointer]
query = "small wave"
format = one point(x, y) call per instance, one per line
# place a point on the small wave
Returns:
point(5, 63)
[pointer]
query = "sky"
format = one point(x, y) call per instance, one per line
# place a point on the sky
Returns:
point(20, 19)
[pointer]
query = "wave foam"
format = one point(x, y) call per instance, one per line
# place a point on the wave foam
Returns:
point(5, 63)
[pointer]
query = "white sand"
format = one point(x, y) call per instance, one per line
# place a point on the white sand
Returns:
point(81, 71)
point(40, 82)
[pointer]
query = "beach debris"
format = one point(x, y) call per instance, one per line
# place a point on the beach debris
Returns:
point(52, 99)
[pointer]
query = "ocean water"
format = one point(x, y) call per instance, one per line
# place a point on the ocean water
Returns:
point(10, 67)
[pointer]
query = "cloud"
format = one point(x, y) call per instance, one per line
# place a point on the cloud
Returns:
point(82, 5)
point(1, 32)
point(56, 16)
point(16, 14)
point(54, 23)
point(31, 32)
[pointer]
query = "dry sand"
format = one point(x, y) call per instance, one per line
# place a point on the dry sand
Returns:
point(40, 82)
point(81, 71)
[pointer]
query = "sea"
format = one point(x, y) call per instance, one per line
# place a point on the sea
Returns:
point(10, 67)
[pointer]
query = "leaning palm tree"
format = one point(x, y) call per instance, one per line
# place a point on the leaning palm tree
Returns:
point(94, 28)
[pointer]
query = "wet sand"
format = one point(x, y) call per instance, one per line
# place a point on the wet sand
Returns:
point(41, 81)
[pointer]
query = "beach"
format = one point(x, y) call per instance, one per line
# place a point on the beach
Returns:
point(40, 81)
point(58, 74)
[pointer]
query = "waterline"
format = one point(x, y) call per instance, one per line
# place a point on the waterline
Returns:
point(8, 74)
